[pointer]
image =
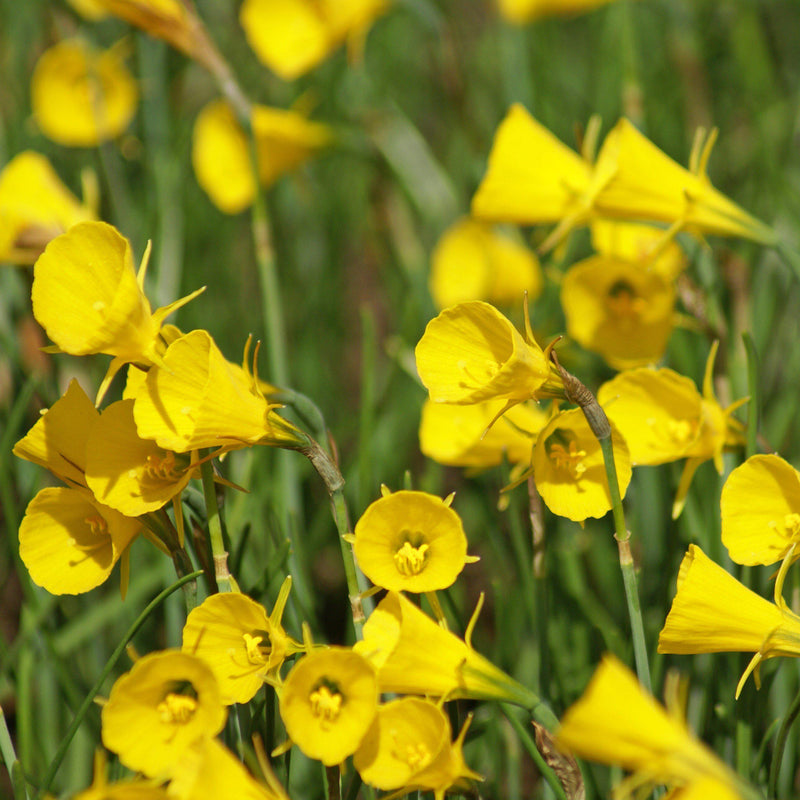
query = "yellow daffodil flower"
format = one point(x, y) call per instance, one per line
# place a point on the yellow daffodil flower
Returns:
point(35, 207)
point(293, 36)
point(328, 702)
point(89, 299)
point(198, 399)
point(209, 770)
point(408, 747)
point(128, 473)
point(239, 641)
point(414, 655)
point(472, 261)
point(643, 183)
point(463, 436)
point(653, 249)
point(664, 418)
point(131, 789)
point(615, 308)
point(569, 470)
point(167, 703)
point(70, 543)
point(411, 541)
point(761, 510)
point(519, 12)
point(714, 613)
point(471, 353)
point(616, 722)
point(221, 152)
point(533, 178)
point(81, 98)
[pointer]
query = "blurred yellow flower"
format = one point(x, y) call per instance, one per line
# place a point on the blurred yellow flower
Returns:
point(472, 261)
point(80, 97)
point(616, 722)
point(522, 11)
point(221, 152)
point(615, 308)
point(128, 473)
point(414, 655)
point(167, 703)
point(411, 541)
point(328, 702)
point(663, 418)
point(714, 613)
point(457, 435)
point(89, 299)
point(35, 207)
point(196, 399)
point(241, 644)
point(70, 543)
point(408, 747)
point(131, 789)
point(761, 510)
point(653, 249)
point(643, 183)
point(293, 36)
point(569, 470)
point(471, 352)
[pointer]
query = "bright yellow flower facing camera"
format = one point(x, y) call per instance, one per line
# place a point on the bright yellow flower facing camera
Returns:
point(167, 703)
point(616, 722)
point(35, 207)
point(408, 747)
point(221, 152)
point(761, 510)
point(411, 541)
point(714, 613)
point(239, 641)
point(328, 703)
point(80, 97)
point(569, 470)
point(473, 261)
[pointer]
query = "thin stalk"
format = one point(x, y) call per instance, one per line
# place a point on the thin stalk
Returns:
point(754, 405)
point(89, 699)
point(11, 761)
point(214, 521)
point(780, 744)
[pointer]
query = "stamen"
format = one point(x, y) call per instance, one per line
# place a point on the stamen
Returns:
point(325, 704)
point(177, 708)
point(410, 560)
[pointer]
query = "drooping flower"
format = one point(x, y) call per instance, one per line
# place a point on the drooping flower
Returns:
point(471, 353)
point(328, 702)
point(533, 178)
point(88, 298)
point(664, 418)
point(408, 747)
point(293, 36)
point(569, 470)
point(761, 510)
point(81, 98)
point(414, 655)
point(35, 207)
point(198, 399)
point(643, 183)
point(221, 152)
point(714, 613)
point(616, 722)
point(128, 473)
point(521, 11)
point(461, 436)
point(239, 641)
point(472, 261)
point(411, 541)
point(167, 703)
point(70, 543)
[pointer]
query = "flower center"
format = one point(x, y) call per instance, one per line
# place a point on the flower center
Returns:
point(410, 560)
point(326, 703)
point(623, 302)
point(565, 455)
point(477, 374)
point(788, 527)
point(258, 646)
point(417, 756)
point(162, 468)
point(681, 431)
point(177, 708)
point(97, 525)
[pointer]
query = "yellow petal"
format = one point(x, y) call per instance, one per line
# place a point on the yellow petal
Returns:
point(646, 245)
point(522, 11)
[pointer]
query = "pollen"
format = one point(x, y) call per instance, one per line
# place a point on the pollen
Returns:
point(97, 525)
point(411, 560)
point(568, 459)
point(325, 704)
point(177, 709)
point(256, 647)
point(417, 756)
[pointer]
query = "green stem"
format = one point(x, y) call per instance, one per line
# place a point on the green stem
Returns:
point(10, 759)
point(754, 406)
point(214, 521)
point(780, 744)
point(89, 699)
point(790, 257)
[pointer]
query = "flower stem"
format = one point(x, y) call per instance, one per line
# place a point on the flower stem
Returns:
point(780, 744)
point(11, 761)
point(218, 551)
